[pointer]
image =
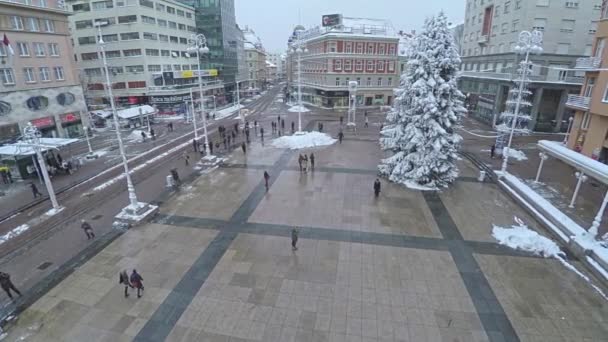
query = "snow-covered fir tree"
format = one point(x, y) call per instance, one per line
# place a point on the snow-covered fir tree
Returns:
point(428, 105)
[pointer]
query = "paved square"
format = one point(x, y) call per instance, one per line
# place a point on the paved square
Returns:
point(344, 201)
point(351, 154)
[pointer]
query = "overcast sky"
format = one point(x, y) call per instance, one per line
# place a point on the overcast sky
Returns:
point(274, 20)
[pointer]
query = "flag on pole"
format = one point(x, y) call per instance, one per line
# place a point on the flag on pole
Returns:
point(8, 46)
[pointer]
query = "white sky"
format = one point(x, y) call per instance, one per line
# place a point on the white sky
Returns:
point(274, 20)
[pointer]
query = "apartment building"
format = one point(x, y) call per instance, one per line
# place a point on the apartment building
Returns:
point(147, 49)
point(490, 34)
point(589, 128)
point(38, 84)
point(362, 50)
point(278, 59)
point(256, 60)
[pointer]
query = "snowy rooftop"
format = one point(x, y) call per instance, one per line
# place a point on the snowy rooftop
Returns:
point(590, 167)
point(133, 112)
point(361, 27)
point(22, 148)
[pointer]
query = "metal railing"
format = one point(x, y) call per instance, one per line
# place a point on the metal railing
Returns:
point(578, 102)
point(345, 87)
point(588, 63)
point(550, 78)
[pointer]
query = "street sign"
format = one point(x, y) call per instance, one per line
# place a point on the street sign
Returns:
point(330, 20)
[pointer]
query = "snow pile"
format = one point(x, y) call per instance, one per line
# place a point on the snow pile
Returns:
point(296, 109)
point(14, 233)
point(516, 154)
point(220, 114)
point(53, 211)
point(136, 135)
point(416, 186)
point(307, 140)
point(522, 238)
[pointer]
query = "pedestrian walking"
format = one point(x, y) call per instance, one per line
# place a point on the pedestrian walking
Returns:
point(186, 158)
point(255, 125)
point(377, 187)
point(60, 160)
point(143, 136)
point(7, 285)
point(320, 127)
point(123, 278)
point(366, 120)
point(340, 136)
point(35, 190)
point(233, 136)
point(294, 239)
point(247, 136)
point(266, 178)
point(225, 143)
point(137, 282)
point(244, 147)
point(88, 230)
point(195, 145)
point(9, 175)
point(230, 141)
point(305, 163)
point(492, 151)
point(152, 134)
point(312, 161)
point(293, 127)
point(283, 125)
point(175, 177)
point(341, 120)
point(300, 161)
point(210, 147)
point(4, 176)
point(262, 133)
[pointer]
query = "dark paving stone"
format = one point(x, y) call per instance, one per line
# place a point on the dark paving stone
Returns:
point(44, 265)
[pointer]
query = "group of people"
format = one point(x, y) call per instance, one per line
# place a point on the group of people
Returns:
point(5, 173)
point(133, 281)
point(303, 162)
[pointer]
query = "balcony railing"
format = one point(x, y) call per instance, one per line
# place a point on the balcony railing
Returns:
point(550, 78)
point(588, 63)
point(483, 40)
point(578, 102)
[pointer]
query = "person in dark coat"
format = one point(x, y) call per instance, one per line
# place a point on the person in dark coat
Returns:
point(152, 134)
point(247, 135)
point(340, 136)
point(244, 147)
point(312, 161)
point(187, 158)
point(7, 285)
point(283, 124)
point(87, 229)
point(341, 120)
point(293, 127)
point(210, 147)
point(175, 177)
point(195, 145)
point(377, 187)
point(60, 160)
point(35, 190)
point(225, 143)
point(294, 239)
point(262, 133)
point(143, 136)
point(492, 151)
point(266, 178)
point(300, 160)
point(137, 282)
point(123, 278)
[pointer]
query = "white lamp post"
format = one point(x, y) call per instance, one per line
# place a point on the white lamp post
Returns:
point(529, 42)
point(194, 116)
point(198, 42)
point(134, 205)
point(569, 130)
point(298, 51)
point(32, 135)
point(352, 104)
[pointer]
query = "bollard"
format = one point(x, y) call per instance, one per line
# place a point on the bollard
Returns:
point(482, 176)
point(169, 181)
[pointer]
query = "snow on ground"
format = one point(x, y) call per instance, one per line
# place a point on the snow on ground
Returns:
point(220, 114)
point(136, 135)
point(517, 154)
point(175, 117)
point(307, 140)
point(522, 238)
point(296, 109)
point(53, 211)
point(416, 186)
point(14, 233)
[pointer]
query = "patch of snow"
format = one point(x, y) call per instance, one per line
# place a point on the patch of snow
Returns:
point(136, 135)
point(169, 117)
point(14, 233)
point(307, 140)
point(516, 154)
point(54, 211)
point(416, 186)
point(278, 100)
point(522, 238)
point(300, 109)
point(220, 114)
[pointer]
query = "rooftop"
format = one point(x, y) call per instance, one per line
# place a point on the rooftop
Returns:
point(352, 27)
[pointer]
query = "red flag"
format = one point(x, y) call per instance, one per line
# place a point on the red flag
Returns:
point(7, 43)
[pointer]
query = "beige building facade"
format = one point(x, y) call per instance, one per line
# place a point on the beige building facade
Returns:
point(38, 83)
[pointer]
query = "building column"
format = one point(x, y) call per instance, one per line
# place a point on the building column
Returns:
point(561, 108)
point(538, 95)
point(60, 131)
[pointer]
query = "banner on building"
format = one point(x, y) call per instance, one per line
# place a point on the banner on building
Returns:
point(69, 117)
point(48, 121)
point(194, 73)
point(329, 20)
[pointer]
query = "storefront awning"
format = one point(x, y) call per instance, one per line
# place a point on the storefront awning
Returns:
point(23, 149)
point(588, 166)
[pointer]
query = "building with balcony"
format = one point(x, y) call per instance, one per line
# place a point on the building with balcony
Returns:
point(278, 59)
point(256, 61)
point(589, 129)
point(362, 50)
point(147, 49)
point(38, 83)
point(490, 34)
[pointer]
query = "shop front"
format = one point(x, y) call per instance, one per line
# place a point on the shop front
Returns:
point(170, 104)
point(72, 125)
point(46, 126)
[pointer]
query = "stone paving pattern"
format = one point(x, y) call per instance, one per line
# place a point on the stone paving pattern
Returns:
point(410, 266)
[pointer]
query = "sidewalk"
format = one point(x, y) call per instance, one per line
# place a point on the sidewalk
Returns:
point(557, 181)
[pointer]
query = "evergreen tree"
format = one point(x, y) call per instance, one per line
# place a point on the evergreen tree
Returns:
point(420, 127)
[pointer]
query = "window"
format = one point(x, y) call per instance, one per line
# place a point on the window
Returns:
point(370, 49)
point(29, 75)
point(539, 24)
point(170, 10)
point(7, 76)
point(81, 7)
point(137, 84)
point(49, 25)
point(146, 3)
point(504, 28)
point(132, 52)
point(59, 75)
point(65, 99)
point(134, 68)
point(347, 65)
point(183, 41)
point(359, 48)
point(113, 54)
point(148, 20)
point(173, 25)
point(370, 65)
point(586, 120)
point(515, 25)
point(599, 47)
point(101, 5)
point(180, 13)
point(109, 20)
point(150, 36)
point(167, 67)
point(16, 22)
point(563, 48)
point(507, 7)
point(348, 47)
point(542, 3)
point(389, 82)
point(154, 68)
point(127, 19)
point(518, 4)
point(497, 11)
point(165, 53)
point(24, 49)
point(571, 4)
point(90, 56)
point(379, 83)
point(391, 50)
point(381, 49)
point(32, 24)
point(188, 15)
point(129, 36)
point(152, 52)
point(37, 103)
point(110, 38)
point(181, 27)
point(53, 49)
point(163, 38)
point(191, 28)
point(2, 50)
point(83, 24)
point(380, 65)
point(161, 7)
point(337, 81)
point(391, 66)
point(567, 25)
point(369, 82)
point(359, 65)
point(173, 39)
point(92, 72)
point(87, 40)
point(337, 65)
point(39, 48)
point(177, 67)
point(162, 23)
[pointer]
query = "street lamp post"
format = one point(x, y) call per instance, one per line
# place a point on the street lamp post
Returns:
point(298, 50)
point(569, 130)
point(32, 135)
point(352, 104)
point(134, 203)
point(194, 117)
point(198, 42)
point(238, 100)
point(529, 42)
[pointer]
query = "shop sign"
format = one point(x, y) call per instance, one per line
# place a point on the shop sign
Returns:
point(169, 98)
point(69, 117)
point(330, 20)
point(194, 73)
point(48, 121)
